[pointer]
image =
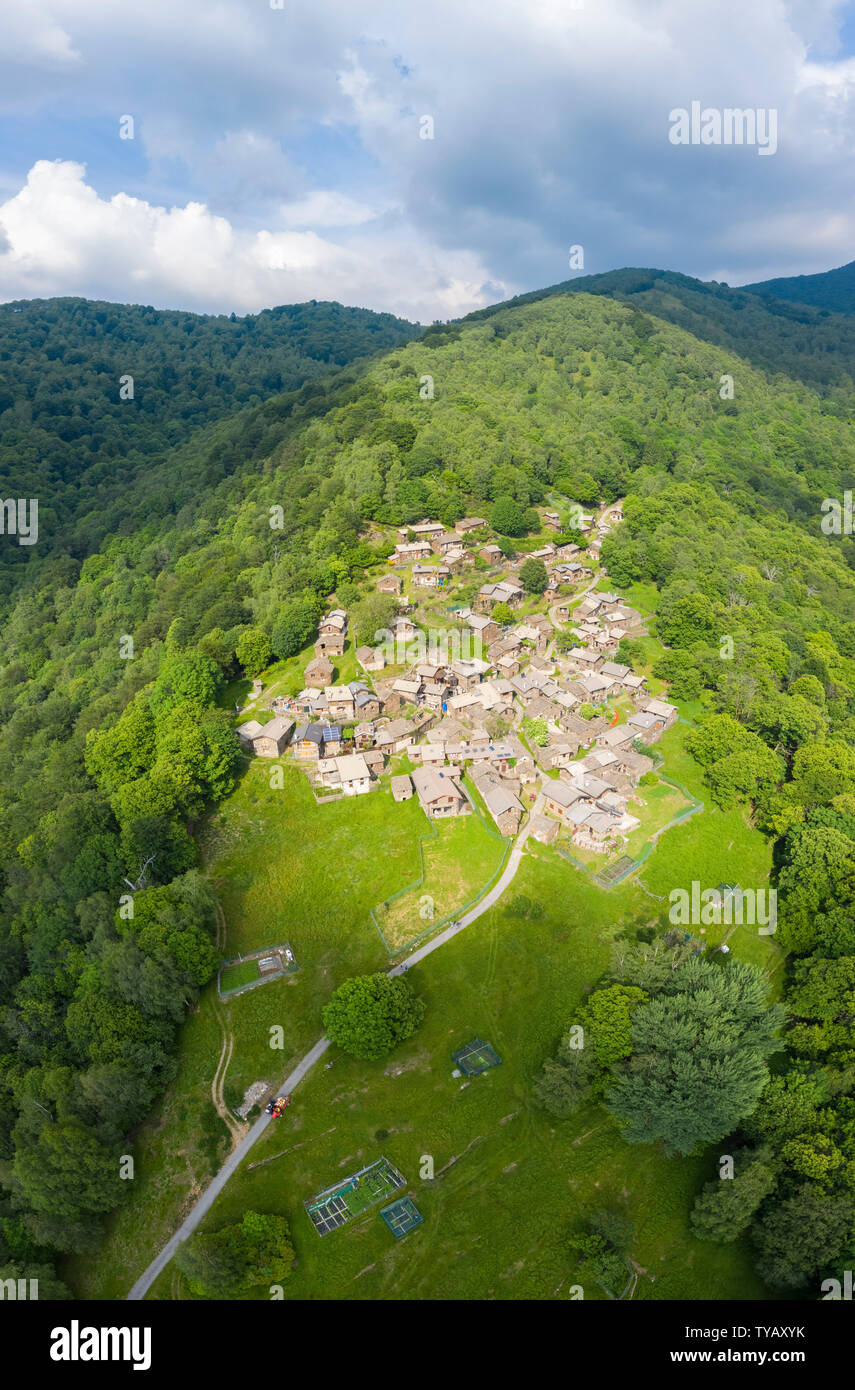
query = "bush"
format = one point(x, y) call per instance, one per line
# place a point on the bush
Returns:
point(370, 1014)
point(221, 1264)
point(507, 517)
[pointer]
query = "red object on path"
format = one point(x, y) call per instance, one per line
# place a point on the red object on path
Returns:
point(616, 719)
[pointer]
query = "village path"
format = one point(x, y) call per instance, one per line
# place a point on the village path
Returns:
point(238, 1154)
point(484, 904)
point(215, 1187)
point(553, 612)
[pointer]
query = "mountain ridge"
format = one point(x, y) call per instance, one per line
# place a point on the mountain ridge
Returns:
point(831, 290)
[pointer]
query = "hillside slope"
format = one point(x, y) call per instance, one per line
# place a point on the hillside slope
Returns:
point(105, 758)
point(831, 289)
point(91, 394)
point(794, 340)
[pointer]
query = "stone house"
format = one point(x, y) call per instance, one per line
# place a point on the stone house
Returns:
point(313, 741)
point(648, 727)
point(484, 628)
point(273, 739)
point(390, 584)
point(330, 644)
point(340, 702)
point(506, 591)
point(444, 541)
point(401, 788)
point(334, 622)
point(397, 736)
point(469, 673)
point(505, 808)
point(422, 530)
point(319, 671)
point(354, 774)
point(560, 797)
point(584, 659)
point(617, 738)
point(438, 793)
point(430, 576)
point(409, 554)
point(491, 553)
point(375, 759)
point(370, 658)
point(662, 710)
point(403, 629)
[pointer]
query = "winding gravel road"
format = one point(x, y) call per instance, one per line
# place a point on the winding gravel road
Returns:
point(236, 1157)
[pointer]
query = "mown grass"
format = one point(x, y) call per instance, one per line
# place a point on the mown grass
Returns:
point(242, 973)
point(458, 863)
point(509, 1182)
point(285, 869)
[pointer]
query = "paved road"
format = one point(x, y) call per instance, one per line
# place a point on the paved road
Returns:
point(483, 905)
point(236, 1157)
point(145, 1281)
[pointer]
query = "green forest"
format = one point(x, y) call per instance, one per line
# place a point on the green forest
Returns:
point(94, 398)
point(219, 511)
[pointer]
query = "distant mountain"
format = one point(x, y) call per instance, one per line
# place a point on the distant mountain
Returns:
point(798, 340)
point(831, 289)
point(91, 393)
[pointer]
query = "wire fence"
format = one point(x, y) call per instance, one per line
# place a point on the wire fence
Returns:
point(603, 879)
point(436, 926)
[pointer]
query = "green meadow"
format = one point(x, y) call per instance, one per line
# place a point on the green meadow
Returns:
point(509, 1182)
point(284, 869)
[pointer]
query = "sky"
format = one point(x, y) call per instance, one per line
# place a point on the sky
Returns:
point(423, 159)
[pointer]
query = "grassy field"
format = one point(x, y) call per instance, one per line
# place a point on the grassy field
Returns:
point(243, 973)
point(284, 868)
point(509, 1182)
point(458, 862)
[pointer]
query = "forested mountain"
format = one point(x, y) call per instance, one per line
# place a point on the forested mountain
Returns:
point(790, 339)
point(92, 395)
point(106, 760)
point(831, 289)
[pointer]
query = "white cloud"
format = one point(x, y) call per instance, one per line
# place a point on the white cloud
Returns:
point(63, 238)
point(300, 128)
point(31, 35)
point(326, 208)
